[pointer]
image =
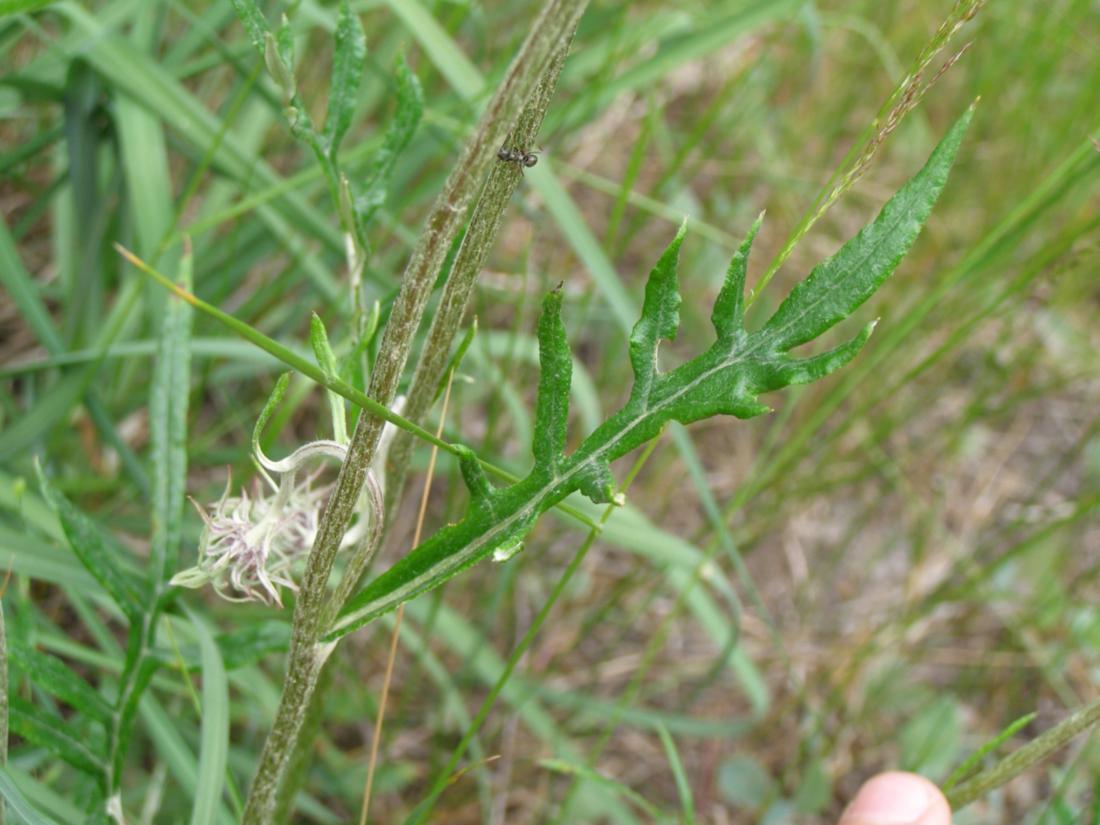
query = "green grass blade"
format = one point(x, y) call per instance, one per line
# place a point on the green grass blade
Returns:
point(35, 559)
point(23, 292)
point(683, 784)
point(168, 401)
point(214, 739)
point(439, 47)
point(44, 800)
point(586, 773)
point(18, 805)
point(971, 763)
point(50, 408)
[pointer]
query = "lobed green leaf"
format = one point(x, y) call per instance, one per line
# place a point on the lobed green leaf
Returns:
point(726, 379)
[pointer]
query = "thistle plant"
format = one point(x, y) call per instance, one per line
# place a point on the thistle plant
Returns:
point(304, 544)
point(727, 379)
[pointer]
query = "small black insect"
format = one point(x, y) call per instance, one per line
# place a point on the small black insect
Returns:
point(524, 159)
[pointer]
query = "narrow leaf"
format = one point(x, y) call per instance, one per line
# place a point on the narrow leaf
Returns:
point(410, 106)
point(168, 404)
point(326, 360)
point(971, 763)
point(272, 404)
point(18, 804)
point(348, 62)
point(137, 674)
point(676, 765)
point(60, 737)
point(214, 740)
point(254, 22)
point(96, 553)
point(3, 697)
point(53, 676)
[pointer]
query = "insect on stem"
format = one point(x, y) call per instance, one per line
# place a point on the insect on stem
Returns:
point(525, 159)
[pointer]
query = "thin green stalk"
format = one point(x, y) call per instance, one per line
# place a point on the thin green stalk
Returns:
point(626, 698)
point(286, 355)
point(443, 778)
point(314, 372)
point(307, 652)
point(1030, 754)
point(905, 96)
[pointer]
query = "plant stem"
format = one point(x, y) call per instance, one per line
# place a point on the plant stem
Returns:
point(1020, 760)
point(480, 236)
point(307, 653)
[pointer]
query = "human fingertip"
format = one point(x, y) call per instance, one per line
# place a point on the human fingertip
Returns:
point(897, 798)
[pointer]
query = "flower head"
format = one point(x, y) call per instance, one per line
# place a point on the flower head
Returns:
point(251, 544)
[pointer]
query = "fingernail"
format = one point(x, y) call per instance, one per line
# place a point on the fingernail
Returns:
point(891, 799)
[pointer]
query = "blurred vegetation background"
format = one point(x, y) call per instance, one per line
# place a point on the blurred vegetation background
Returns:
point(893, 566)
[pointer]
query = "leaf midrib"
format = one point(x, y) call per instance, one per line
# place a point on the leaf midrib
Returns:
point(455, 561)
point(778, 334)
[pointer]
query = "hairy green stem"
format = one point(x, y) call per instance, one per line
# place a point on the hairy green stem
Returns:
point(1019, 761)
point(307, 653)
point(479, 239)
